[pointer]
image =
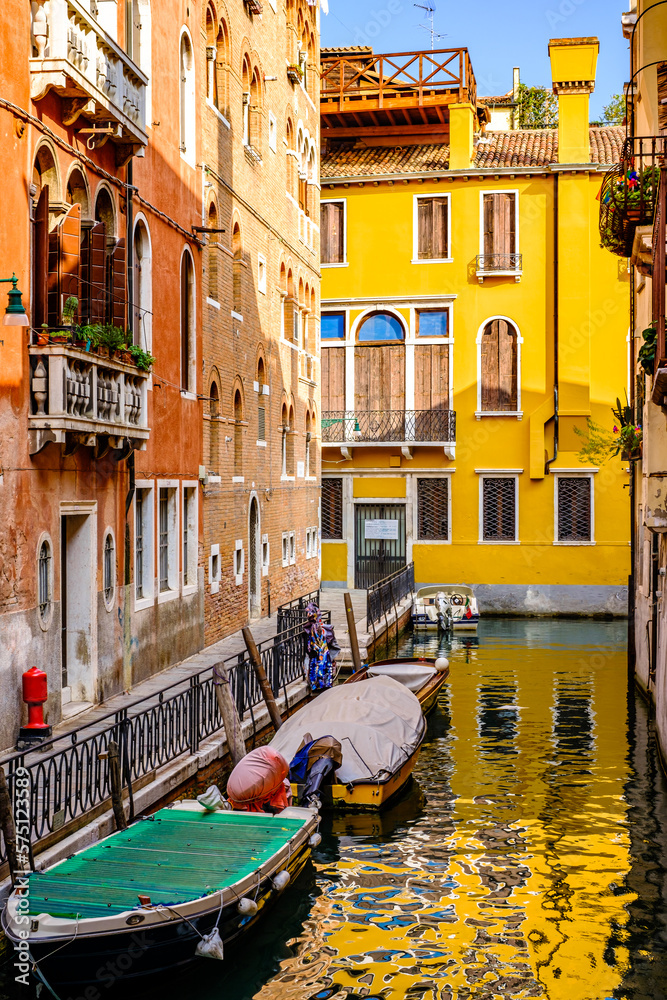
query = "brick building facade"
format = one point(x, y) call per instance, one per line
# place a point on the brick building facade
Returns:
point(101, 581)
point(260, 309)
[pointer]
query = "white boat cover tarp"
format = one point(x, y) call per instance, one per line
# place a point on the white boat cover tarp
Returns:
point(378, 722)
point(412, 675)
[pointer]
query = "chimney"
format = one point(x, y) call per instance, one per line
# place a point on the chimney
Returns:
point(461, 132)
point(516, 80)
point(573, 64)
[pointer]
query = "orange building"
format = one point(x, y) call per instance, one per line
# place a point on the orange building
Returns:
point(101, 578)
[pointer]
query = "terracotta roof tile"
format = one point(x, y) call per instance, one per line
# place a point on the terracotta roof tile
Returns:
point(519, 148)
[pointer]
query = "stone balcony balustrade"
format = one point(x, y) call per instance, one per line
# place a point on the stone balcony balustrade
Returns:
point(78, 60)
point(81, 399)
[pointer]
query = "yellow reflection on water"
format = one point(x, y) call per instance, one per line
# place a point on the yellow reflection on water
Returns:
point(508, 880)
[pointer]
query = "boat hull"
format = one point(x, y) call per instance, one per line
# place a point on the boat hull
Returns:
point(427, 695)
point(133, 954)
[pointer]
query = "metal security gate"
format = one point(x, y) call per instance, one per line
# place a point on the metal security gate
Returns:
point(379, 542)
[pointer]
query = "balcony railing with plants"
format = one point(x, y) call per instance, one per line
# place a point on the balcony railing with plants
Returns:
point(77, 59)
point(88, 388)
point(629, 191)
point(380, 426)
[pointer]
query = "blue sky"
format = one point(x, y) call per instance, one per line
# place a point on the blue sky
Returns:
point(498, 34)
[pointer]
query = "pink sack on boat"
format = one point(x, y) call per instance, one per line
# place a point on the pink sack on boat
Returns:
point(259, 780)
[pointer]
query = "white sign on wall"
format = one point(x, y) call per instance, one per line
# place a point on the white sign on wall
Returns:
point(381, 528)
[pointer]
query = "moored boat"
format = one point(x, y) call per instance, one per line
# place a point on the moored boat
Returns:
point(378, 724)
point(445, 607)
point(181, 883)
point(422, 675)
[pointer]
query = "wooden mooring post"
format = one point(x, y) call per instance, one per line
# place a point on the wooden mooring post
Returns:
point(230, 716)
point(8, 828)
point(258, 667)
point(352, 629)
point(116, 783)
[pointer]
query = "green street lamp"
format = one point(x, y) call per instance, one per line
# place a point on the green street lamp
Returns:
point(15, 314)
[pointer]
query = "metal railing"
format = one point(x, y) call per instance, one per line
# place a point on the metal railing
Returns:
point(67, 775)
point(385, 595)
point(490, 262)
point(408, 426)
point(294, 613)
point(629, 192)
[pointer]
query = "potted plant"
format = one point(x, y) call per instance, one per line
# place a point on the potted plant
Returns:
point(112, 338)
point(43, 335)
point(646, 356)
point(59, 335)
point(142, 359)
point(294, 73)
point(70, 309)
point(629, 442)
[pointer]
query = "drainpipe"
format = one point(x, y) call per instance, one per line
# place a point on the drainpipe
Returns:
point(550, 461)
point(632, 490)
point(129, 259)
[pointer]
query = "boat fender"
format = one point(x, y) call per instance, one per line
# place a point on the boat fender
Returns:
point(441, 663)
point(212, 799)
point(281, 880)
point(315, 840)
point(247, 907)
point(211, 946)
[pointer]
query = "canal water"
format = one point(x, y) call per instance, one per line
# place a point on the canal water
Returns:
point(528, 858)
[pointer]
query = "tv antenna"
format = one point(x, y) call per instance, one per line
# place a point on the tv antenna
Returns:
point(430, 11)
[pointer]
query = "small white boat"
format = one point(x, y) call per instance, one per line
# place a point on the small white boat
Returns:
point(450, 606)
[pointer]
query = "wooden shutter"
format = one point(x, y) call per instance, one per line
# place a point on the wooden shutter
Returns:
point(424, 228)
point(362, 378)
point(40, 265)
point(379, 378)
point(499, 367)
point(64, 263)
point(662, 97)
point(440, 242)
point(117, 285)
point(333, 379)
point(432, 377)
point(332, 232)
point(499, 223)
point(488, 224)
point(93, 273)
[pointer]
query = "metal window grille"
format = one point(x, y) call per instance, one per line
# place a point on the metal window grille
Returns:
point(332, 508)
point(44, 580)
point(164, 540)
point(261, 423)
point(433, 508)
point(574, 509)
point(139, 545)
point(108, 568)
point(499, 510)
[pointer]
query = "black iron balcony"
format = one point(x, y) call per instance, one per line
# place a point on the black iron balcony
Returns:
point(489, 265)
point(629, 191)
point(406, 427)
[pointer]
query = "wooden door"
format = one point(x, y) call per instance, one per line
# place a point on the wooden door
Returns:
point(499, 367)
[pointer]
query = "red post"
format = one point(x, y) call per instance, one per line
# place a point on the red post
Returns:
point(35, 693)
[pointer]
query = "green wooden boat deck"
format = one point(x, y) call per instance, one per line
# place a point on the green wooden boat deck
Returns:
point(173, 857)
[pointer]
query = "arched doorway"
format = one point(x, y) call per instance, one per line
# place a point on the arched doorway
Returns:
point(254, 569)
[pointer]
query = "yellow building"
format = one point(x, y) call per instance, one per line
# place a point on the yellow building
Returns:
point(470, 323)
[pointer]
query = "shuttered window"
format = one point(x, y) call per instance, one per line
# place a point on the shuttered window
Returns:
point(93, 273)
point(433, 509)
point(332, 232)
point(662, 97)
point(40, 259)
point(432, 228)
point(574, 509)
point(332, 508)
point(116, 285)
point(333, 379)
point(500, 224)
point(64, 263)
point(499, 367)
point(499, 509)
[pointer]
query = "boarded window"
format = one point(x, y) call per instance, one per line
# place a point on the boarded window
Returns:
point(499, 509)
point(432, 228)
point(431, 376)
point(574, 509)
point(379, 378)
point(332, 232)
point(500, 224)
point(499, 367)
point(433, 509)
point(333, 379)
point(332, 508)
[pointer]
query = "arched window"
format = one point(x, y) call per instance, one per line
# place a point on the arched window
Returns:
point(238, 433)
point(212, 254)
point(109, 569)
point(308, 439)
point(261, 408)
point(284, 433)
point(142, 291)
point(381, 326)
point(77, 192)
point(214, 413)
point(45, 173)
point(498, 366)
point(222, 68)
point(187, 99)
point(105, 211)
point(246, 77)
point(237, 266)
point(44, 563)
point(188, 369)
point(289, 451)
point(211, 61)
point(291, 166)
point(255, 116)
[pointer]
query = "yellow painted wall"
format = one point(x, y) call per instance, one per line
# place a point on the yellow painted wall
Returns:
point(334, 561)
point(593, 326)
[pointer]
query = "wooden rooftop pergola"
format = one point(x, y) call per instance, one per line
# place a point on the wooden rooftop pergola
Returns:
point(364, 93)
